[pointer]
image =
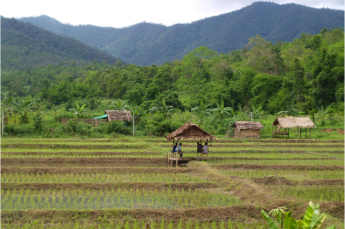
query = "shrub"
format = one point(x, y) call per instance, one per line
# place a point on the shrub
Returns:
point(119, 127)
point(38, 122)
point(157, 124)
point(17, 130)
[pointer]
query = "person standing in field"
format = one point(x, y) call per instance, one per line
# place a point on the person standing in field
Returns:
point(179, 150)
point(205, 149)
point(174, 149)
point(198, 148)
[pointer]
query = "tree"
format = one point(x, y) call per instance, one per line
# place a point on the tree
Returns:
point(263, 56)
point(299, 86)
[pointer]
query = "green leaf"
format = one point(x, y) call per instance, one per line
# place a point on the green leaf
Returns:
point(269, 220)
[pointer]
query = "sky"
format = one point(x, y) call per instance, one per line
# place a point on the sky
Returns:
point(123, 13)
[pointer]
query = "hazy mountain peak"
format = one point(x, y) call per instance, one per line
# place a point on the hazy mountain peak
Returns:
point(147, 43)
point(25, 46)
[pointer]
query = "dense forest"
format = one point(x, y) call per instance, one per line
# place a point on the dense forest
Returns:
point(147, 43)
point(26, 46)
point(305, 76)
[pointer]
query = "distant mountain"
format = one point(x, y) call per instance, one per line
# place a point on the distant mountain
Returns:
point(147, 44)
point(24, 45)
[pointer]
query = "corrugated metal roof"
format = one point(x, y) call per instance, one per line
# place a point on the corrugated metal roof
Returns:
point(101, 117)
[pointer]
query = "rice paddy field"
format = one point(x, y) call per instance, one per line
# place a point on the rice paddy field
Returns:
point(126, 182)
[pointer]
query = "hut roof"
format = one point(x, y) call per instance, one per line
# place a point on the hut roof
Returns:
point(293, 122)
point(121, 115)
point(246, 125)
point(190, 131)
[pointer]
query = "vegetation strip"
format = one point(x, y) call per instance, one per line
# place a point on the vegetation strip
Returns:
point(236, 213)
point(263, 141)
point(274, 180)
point(64, 146)
point(265, 145)
point(264, 159)
point(292, 167)
point(81, 153)
point(93, 186)
point(134, 160)
point(93, 170)
point(278, 151)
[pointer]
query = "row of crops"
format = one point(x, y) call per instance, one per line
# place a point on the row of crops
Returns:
point(126, 182)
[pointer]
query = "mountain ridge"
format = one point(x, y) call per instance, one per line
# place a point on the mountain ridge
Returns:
point(147, 43)
point(25, 46)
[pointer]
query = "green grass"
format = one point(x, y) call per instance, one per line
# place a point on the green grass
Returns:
point(114, 199)
point(315, 193)
point(264, 152)
point(297, 175)
point(102, 178)
point(141, 224)
point(323, 162)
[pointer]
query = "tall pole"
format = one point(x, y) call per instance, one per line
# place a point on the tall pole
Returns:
point(133, 124)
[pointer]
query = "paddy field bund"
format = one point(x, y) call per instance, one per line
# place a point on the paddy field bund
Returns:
point(126, 182)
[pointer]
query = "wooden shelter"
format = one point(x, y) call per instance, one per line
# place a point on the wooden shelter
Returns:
point(117, 115)
point(284, 124)
point(120, 115)
point(245, 129)
point(190, 131)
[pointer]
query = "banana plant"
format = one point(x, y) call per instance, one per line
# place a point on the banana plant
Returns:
point(79, 109)
point(281, 218)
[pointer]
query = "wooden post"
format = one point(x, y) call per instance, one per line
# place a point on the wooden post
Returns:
point(168, 158)
point(299, 132)
point(133, 124)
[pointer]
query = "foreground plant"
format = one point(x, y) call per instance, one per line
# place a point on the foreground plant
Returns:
point(281, 218)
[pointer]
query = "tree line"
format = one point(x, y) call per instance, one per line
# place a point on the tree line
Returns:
point(299, 77)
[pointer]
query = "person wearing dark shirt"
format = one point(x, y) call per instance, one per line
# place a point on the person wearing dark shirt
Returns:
point(179, 150)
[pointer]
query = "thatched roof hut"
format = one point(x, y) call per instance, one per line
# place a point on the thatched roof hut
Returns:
point(120, 115)
point(284, 124)
point(247, 129)
point(293, 122)
point(190, 131)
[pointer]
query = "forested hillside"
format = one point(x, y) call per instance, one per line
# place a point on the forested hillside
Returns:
point(305, 76)
point(147, 44)
point(26, 46)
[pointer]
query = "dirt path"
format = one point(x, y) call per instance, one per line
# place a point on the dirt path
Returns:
point(256, 195)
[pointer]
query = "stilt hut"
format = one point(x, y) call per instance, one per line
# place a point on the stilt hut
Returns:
point(282, 126)
point(247, 129)
point(114, 115)
point(120, 115)
point(188, 131)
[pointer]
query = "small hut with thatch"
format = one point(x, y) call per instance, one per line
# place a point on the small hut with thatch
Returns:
point(284, 124)
point(247, 129)
point(190, 131)
point(116, 115)
point(120, 115)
